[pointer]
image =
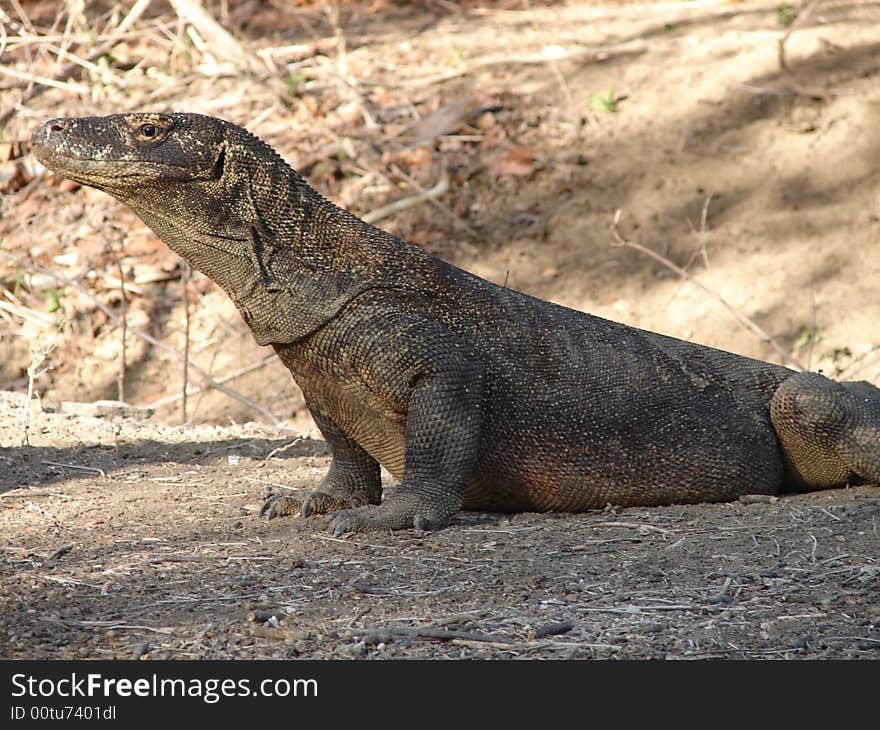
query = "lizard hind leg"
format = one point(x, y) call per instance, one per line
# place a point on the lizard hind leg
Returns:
point(829, 431)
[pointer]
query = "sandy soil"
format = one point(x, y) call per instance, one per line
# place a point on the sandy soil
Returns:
point(123, 536)
point(163, 555)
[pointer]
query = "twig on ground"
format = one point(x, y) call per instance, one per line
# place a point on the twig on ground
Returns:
point(73, 88)
point(796, 86)
point(4, 39)
point(636, 610)
point(25, 491)
point(763, 91)
point(275, 485)
point(62, 53)
point(353, 543)
point(640, 526)
point(453, 217)
point(26, 314)
point(571, 106)
point(25, 21)
point(701, 234)
point(109, 625)
point(76, 466)
point(331, 10)
point(387, 635)
point(286, 447)
point(386, 211)
point(746, 322)
point(200, 21)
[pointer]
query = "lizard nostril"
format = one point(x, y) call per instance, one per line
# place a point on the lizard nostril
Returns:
point(58, 126)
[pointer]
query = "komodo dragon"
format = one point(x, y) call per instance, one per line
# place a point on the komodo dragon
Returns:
point(472, 395)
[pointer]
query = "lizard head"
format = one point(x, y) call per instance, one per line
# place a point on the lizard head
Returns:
point(193, 179)
point(124, 153)
point(225, 201)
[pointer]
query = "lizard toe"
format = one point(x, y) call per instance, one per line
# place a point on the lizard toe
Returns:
point(320, 503)
point(281, 505)
point(349, 521)
point(428, 522)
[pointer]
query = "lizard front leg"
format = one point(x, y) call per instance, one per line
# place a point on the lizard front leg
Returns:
point(441, 451)
point(353, 480)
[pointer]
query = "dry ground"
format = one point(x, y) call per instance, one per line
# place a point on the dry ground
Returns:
point(122, 537)
point(164, 556)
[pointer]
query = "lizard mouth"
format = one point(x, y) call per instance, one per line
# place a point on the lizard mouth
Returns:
point(90, 167)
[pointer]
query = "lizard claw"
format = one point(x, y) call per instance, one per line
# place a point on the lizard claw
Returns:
point(348, 521)
point(320, 503)
point(316, 503)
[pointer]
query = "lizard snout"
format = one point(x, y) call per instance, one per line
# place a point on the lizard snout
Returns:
point(44, 134)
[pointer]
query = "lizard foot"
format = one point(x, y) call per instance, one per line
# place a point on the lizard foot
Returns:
point(371, 518)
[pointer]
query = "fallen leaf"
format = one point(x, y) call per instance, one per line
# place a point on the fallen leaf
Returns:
point(415, 158)
point(445, 120)
point(515, 161)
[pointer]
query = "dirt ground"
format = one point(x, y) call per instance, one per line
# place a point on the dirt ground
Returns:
point(161, 554)
point(125, 534)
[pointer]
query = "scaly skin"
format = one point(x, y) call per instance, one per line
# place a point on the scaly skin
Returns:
point(472, 395)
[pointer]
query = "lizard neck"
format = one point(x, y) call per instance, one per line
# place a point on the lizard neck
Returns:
point(289, 258)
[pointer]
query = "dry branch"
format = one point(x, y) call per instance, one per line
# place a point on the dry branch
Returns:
point(92, 469)
point(388, 210)
point(373, 637)
point(41, 84)
point(347, 82)
point(187, 275)
point(747, 323)
point(43, 81)
point(796, 86)
point(220, 43)
point(225, 379)
point(450, 214)
point(640, 526)
point(551, 54)
point(149, 338)
point(35, 369)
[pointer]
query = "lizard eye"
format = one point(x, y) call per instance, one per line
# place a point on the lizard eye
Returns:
point(148, 130)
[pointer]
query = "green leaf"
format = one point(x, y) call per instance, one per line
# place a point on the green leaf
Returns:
point(805, 338)
point(786, 15)
point(604, 102)
point(53, 299)
point(294, 80)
